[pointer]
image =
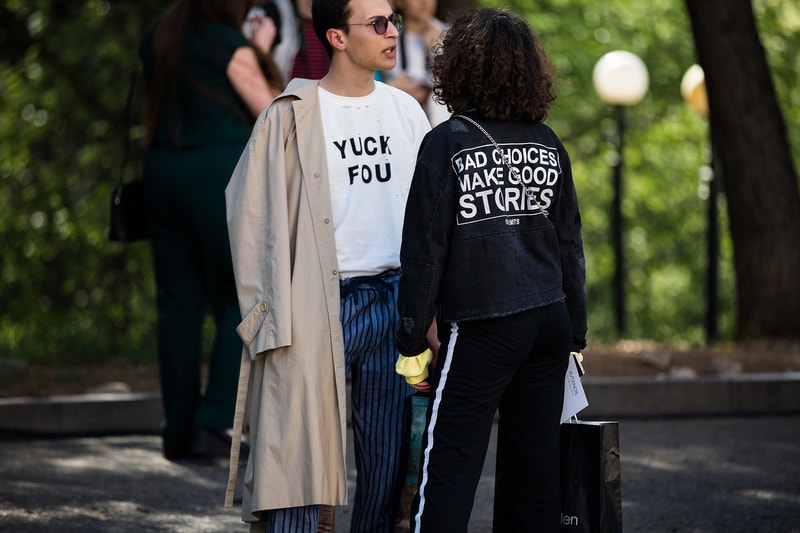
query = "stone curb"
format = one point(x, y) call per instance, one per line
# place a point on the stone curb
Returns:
point(609, 397)
point(90, 414)
point(738, 394)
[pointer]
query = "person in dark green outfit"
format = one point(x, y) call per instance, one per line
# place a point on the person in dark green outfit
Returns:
point(205, 85)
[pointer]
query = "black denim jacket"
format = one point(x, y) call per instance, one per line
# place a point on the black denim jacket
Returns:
point(474, 245)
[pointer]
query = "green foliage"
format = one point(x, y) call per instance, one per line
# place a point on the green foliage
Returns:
point(666, 144)
point(779, 26)
point(68, 294)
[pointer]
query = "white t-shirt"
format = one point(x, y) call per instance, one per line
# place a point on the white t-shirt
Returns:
point(371, 146)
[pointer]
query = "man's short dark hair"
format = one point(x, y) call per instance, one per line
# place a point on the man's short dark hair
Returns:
point(327, 14)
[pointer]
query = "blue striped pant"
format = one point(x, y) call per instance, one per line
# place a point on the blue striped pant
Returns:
point(379, 398)
point(379, 401)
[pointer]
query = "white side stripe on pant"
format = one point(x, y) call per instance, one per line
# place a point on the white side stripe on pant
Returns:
point(437, 400)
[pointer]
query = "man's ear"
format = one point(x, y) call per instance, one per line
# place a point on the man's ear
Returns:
point(336, 38)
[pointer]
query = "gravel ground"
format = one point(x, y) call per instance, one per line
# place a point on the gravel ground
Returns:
point(726, 474)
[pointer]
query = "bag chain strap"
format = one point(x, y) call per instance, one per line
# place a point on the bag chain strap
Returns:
point(527, 191)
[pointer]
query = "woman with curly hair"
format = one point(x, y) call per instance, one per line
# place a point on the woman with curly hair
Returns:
point(492, 244)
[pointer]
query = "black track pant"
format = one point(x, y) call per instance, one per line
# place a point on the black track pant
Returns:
point(515, 364)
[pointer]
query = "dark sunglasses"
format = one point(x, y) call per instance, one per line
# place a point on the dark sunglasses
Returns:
point(381, 24)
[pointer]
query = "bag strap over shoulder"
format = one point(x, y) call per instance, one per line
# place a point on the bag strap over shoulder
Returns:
point(128, 123)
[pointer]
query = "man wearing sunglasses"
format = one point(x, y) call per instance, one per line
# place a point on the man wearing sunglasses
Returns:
point(315, 212)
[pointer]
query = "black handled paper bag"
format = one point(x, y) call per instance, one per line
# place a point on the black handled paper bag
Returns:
point(591, 491)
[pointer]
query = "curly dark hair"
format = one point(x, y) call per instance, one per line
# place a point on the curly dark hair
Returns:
point(491, 61)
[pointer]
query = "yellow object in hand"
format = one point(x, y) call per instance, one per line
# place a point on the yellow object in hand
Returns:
point(414, 369)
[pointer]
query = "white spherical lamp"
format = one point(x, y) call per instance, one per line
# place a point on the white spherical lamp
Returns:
point(693, 90)
point(620, 78)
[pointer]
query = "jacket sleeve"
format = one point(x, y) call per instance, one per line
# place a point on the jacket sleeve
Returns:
point(259, 235)
point(567, 221)
point(424, 251)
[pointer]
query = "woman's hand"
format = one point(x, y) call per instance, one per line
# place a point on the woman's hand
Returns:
point(422, 386)
point(415, 368)
point(264, 33)
point(432, 337)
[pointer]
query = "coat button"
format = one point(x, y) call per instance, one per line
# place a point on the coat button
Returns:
point(263, 307)
point(316, 174)
point(327, 221)
point(335, 272)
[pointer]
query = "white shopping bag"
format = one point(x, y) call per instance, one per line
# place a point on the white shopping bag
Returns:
point(574, 398)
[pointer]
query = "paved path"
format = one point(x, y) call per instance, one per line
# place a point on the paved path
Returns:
point(713, 474)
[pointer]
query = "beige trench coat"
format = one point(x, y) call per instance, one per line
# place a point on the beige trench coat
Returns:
point(284, 258)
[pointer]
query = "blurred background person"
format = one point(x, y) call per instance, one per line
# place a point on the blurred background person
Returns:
point(287, 35)
point(205, 84)
point(311, 61)
point(415, 49)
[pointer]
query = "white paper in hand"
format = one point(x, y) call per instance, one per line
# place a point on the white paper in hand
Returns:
point(574, 398)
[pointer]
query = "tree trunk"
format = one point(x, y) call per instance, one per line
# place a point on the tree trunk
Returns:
point(759, 178)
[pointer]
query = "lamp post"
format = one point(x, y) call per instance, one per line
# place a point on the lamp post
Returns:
point(621, 79)
point(693, 91)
